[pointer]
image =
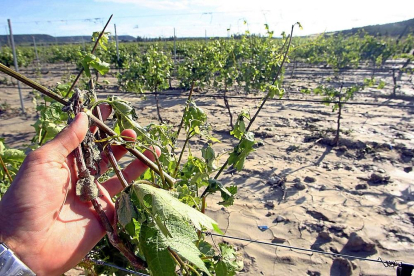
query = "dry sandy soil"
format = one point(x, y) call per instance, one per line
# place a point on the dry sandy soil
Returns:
point(355, 199)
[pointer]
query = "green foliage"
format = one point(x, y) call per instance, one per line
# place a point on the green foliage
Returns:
point(259, 60)
point(332, 96)
point(194, 173)
point(240, 127)
point(194, 118)
point(343, 51)
point(12, 159)
point(242, 150)
point(375, 50)
point(25, 56)
point(372, 82)
point(227, 264)
point(125, 118)
point(198, 66)
point(275, 90)
point(91, 61)
point(103, 41)
point(227, 64)
point(67, 53)
point(162, 206)
point(50, 122)
point(151, 71)
point(227, 193)
point(155, 247)
point(166, 224)
point(209, 156)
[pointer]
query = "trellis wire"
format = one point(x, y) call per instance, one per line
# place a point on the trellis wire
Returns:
point(345, 256)
point(274, 99)
point(379, 260)
point(100, 262)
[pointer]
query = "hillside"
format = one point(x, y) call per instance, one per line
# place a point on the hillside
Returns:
point(396, 29)
point(48, 39)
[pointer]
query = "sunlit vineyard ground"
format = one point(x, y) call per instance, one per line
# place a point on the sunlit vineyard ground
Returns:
point(355, 199)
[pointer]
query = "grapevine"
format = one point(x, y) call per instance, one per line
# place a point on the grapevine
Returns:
point(155, 211)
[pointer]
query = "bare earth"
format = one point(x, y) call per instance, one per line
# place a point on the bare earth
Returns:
point(355, 199)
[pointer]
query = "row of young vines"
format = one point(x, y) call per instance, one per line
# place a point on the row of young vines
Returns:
point(322, 49)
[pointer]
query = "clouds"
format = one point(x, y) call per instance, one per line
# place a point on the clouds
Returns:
point(154, 5)
point(193, 17)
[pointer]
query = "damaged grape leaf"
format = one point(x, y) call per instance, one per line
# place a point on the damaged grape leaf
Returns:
point(155, 246)
point(125, 211)
point(166, 207)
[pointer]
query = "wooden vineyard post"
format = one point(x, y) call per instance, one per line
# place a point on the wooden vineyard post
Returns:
point(16, 66)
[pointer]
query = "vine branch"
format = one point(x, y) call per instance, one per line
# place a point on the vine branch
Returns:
point(182, 153)
point(93, 50)
point(32, 84)
point(5, 169)
point(95, 120)
point(185, 110)
point(108, 148)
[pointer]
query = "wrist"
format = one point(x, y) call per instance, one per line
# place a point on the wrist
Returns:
point(11, 265)
point(15, 245)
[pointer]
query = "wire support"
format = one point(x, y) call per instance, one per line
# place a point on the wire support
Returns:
point(274, 99)
point(350, 257)
point(100, 262)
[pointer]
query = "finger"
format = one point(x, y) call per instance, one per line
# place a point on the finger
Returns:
point(131, 172)
point(118, 151)
point(67, 140)
point(106, 110)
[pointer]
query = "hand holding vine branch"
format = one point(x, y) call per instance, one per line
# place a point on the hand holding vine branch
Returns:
point(42, 220)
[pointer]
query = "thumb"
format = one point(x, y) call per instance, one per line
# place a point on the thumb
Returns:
point(69, 138)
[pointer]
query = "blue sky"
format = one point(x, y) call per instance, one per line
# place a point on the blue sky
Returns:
point(195, 17)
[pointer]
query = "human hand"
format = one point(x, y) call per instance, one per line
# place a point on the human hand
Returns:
point(42, 220)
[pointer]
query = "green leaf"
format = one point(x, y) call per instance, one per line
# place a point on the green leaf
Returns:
point(228, 263)
point(168, 208)
point(242, 150)
point(206, 248)
point(89, 60)
point(381, 84)
point(126, 118)
point(274, 90)
point(125, 211)
point(85, 66)
point(155, 249)
point(2, 146)
point(14, 155)
point(100, 66)
point(214, 185)
point(240, 126)
point(121, 106)
point(103, 41)
point(182, 241)
point(209, 156)
point(222, 270)
point(194, 117)
point(228, 196)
